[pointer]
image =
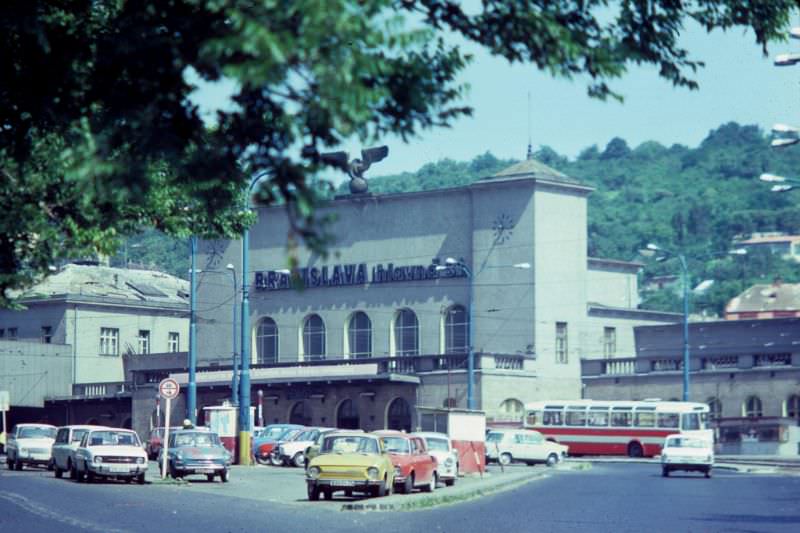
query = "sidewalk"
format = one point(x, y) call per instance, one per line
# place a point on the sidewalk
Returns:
point(752, 464)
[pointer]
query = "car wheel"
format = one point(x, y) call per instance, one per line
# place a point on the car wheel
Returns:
point(262, 460)
point(430, 487)
point(665, 472)
point(552, 459)
point(9, 463)
point(210, 477)
point(76, 474)
point(18, 464)
point(275, 460)
point(708, 473)
point(408, 486)
point(299, 459)
point(313, 492)
point(635, 450)
point(90, 477)
point(225, 475)
point(327, 493)
point(58, 472)
point(173, 472)
point(51, 465)
point(505, 459)
point(71, 468)
point(140, 479)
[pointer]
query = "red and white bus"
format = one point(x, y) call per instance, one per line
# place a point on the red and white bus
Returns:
point(633, 428)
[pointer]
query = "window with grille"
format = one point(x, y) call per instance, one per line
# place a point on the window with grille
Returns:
point(714, 408)
point(109, 341)
point(793, 406)
point(752, 407)
point(359, 335)
point(314, 338)
point(143, 341)
point(456, 330)
point(561, 343)
point(173, 342)
point(609, 342)
point(406, 333)
point(267, 341)
point(47, 334)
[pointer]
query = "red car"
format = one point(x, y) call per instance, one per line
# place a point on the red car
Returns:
point(414, 466)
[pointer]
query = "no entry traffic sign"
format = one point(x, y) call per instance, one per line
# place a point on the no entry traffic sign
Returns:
point(169, 388)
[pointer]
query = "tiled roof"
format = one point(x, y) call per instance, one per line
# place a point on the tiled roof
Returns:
point(773, 297)
point(535, 169)
point(118, 283)
point(771, 239)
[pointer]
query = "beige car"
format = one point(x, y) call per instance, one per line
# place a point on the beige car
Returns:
point(67, 440)
point(29, 444)
point(505, 446)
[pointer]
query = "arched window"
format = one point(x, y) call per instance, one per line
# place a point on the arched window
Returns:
point(793, 406)
point(359, 335)
point(300, 414)
point(406, 333)
point(267, 341)
point(313, 338)
point(714, 408)
point(511, 409)
point(347, 415)
point(752, 407)
point(456, 330)
point(399, 415)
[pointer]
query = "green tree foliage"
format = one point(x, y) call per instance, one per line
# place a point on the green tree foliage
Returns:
point(99, 138)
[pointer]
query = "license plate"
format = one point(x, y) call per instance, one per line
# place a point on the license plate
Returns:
point(341, 483)
point(205, 470)
point(118, 469)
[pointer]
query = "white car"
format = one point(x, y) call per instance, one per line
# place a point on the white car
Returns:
point(29, 444)
point(67, 440)
point(111, 453)
point(524, 445)
point(439, 446)
point(293, 452)
point(688, 453)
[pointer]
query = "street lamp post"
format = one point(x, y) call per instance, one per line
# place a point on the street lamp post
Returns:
point(235, 371)
point(451, 262)
point(191, 393)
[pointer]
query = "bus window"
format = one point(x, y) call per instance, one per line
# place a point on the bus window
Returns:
point(646, 420)
point(597, 417)
point(621, 418)
point(668, 420)
point(552, 418)
point(690, 421)
point(533, 418)
point(576, 418)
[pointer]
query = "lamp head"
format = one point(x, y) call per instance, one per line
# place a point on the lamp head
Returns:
point(230, 266)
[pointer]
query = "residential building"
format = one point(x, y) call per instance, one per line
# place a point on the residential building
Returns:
point(775, 300)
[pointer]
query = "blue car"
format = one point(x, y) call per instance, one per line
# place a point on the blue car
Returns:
point(264, 444)
point(196, 452)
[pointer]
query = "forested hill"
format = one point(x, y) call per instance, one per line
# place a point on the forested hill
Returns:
point(691, 200)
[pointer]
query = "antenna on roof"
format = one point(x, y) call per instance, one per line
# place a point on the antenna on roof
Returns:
point(530, 147)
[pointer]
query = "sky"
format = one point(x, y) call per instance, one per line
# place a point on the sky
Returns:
point(737, 84)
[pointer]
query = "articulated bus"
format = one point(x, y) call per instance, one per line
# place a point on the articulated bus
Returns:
point(633, 428)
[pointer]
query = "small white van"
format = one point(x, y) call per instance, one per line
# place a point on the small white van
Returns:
point(524, 445)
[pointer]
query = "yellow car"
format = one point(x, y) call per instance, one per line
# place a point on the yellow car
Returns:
point(350, 462)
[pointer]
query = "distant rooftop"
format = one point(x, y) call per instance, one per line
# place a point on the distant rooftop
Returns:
point(768, 239)
point(532, 168)
point(773, 297)
point(118, 283)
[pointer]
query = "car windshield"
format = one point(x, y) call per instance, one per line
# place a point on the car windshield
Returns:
point(684, 442)
point(78, 434)
point(494, 437)
point(195, 439)
point(289, 434)
point(113, 438)
point(34, 432)
point(274, 432)
point(349, 444)
point(396, 445)
point(305, 435)
point(438, 445)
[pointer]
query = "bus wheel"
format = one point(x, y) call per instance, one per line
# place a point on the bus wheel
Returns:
point(635, 450)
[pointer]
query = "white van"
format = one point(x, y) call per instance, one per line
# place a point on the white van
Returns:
point(67, 440)
point(524, 445)
point(688, 453)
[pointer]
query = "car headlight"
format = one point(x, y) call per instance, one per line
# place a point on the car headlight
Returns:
point(448, 462)
point(397, 471)
point(98, 459)
point(140, 460)
point(313, 472)
point(373, 473)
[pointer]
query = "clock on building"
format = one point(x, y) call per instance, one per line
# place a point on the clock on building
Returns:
point(503, 228)
point(213, 250)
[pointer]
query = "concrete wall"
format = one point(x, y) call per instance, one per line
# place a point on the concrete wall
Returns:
point(32, 371)
point(614, 288)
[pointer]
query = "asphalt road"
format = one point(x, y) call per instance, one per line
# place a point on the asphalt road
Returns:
point(607, 498)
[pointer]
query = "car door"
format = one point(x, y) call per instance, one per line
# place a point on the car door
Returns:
point(425, 464)
point(537, 449)
point(60, 447)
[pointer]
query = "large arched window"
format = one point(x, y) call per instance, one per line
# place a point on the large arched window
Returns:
point(359, 335)
point(752, 407)
point(398, 415)
point(456, 330)
point(313, 338)
point(511, 409)
point(347, 415)
point(714, 408)
point(406, 333)
point(300, 414)
point(267, 341)
point(793, 406)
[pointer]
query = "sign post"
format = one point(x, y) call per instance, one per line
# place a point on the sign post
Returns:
point(5, 404)
point(168, 389)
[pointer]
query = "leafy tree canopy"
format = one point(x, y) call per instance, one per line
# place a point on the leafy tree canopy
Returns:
point(99, 137)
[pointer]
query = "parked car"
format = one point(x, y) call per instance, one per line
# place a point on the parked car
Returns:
point(68, 438)
point(293, 452)
point(350, 461)
point(313, 449)
point(265, 444)
point(29, 444)
point(688, 453)
point(196, 452)
point(155, 439)
point(525, 445)
point(110, 453)
point(414, 466)
point(439, 446)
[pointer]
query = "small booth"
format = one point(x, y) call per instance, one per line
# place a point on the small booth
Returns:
point(467, 431)
point(223, 420)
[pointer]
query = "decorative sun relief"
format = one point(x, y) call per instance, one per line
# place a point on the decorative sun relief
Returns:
point(503, 227)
